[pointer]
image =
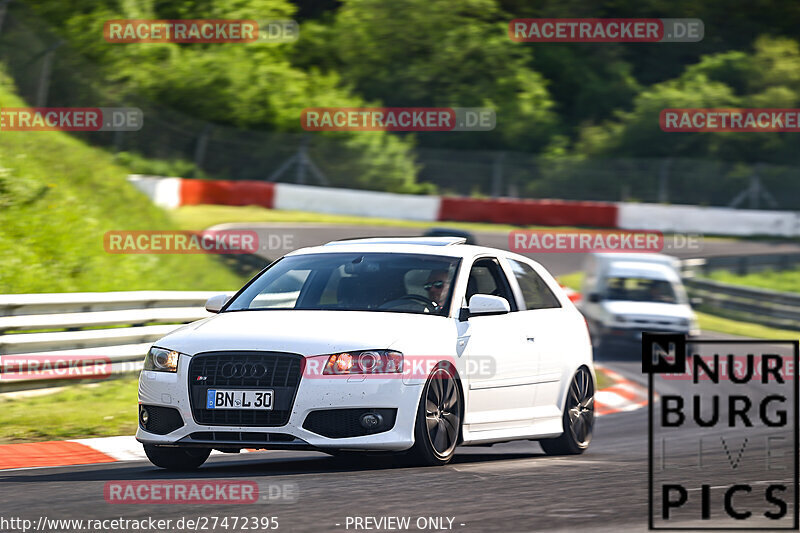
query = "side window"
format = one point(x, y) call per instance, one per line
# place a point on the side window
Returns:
point(535, 292)
point(486, 277)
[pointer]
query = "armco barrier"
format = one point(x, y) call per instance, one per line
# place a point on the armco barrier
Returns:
point(75, 325)
point(529, 212)
point(760, 306)
point(219, 192)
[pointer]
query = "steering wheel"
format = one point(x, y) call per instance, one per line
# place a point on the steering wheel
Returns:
point(429, 305)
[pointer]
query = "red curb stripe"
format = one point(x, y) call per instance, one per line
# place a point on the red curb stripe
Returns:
point(52, 453)
point(624, 392)
point(621, 387)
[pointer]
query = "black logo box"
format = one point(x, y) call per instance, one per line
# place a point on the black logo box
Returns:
point(678, 366)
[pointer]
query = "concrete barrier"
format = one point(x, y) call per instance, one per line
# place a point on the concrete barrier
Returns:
point(164, 192)
point(220, 192)
point(709, 220)
point(174, 192)
point(352, 202)
point(529, 212)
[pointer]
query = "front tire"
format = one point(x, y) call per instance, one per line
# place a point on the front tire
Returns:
point(180, 459)
point(578, 418)
point(438, 425)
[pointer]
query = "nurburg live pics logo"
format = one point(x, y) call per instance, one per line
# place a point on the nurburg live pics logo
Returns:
point(723, 435)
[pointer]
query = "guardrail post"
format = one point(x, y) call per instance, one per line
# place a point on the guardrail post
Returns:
point(741, 268)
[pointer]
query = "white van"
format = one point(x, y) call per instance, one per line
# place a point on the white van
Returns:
point(625, 294)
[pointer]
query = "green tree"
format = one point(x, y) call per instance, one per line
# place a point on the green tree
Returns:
point(449, 53)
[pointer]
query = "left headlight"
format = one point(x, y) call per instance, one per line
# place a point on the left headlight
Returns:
point(161, 360)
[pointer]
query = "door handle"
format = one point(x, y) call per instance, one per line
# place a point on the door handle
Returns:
point(530, 339)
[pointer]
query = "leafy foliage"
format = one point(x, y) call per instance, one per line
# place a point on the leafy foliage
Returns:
point(577, 101)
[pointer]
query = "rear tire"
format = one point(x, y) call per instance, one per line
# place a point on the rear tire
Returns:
point(578, 418)
point(179, 459)
point(438, 426)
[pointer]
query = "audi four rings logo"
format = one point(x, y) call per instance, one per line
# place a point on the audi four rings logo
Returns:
point(243, 370)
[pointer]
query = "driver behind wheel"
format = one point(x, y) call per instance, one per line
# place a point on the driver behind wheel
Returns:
point(437, 287)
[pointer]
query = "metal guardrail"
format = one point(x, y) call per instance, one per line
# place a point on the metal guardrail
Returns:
point(759, 306)
point(112, 327)
point(744, 264)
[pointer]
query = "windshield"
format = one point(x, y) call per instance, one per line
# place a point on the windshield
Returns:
point(640, 290)
point(409, 283)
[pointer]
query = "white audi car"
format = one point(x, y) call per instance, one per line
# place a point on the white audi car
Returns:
point(404, 345)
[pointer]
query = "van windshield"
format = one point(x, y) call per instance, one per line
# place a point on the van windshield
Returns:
point(640, 290)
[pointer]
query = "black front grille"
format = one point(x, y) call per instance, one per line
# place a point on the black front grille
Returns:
point(241, 436)
point(343, 423)
point(160, 420)
point(276, 371)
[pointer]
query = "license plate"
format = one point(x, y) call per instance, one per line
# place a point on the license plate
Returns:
point(239, 399)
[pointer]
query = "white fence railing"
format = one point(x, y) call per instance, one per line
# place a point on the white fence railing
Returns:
point(115, 327)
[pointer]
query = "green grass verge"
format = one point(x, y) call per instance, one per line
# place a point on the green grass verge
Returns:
point(102, 409)
point(784, 281)
point(573, 281)
point(744, 329)
point(603, 381)
point(58, 197)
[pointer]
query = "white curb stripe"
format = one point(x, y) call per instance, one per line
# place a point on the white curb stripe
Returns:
point(124, 447)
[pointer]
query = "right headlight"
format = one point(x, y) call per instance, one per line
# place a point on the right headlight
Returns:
point(364, 362)
point(161, 360)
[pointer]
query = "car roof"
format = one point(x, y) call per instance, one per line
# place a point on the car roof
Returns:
point(643, 270)
point(654, 258)
point(443, 246)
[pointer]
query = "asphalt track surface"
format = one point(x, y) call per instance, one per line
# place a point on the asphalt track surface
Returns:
point(505, 487)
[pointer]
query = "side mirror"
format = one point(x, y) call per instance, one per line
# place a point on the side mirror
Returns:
point(486, 304)
point(216, 303)
point(594, 297)
point(696, 301)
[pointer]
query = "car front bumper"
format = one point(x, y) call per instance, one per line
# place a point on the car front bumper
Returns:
point(171, 390)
